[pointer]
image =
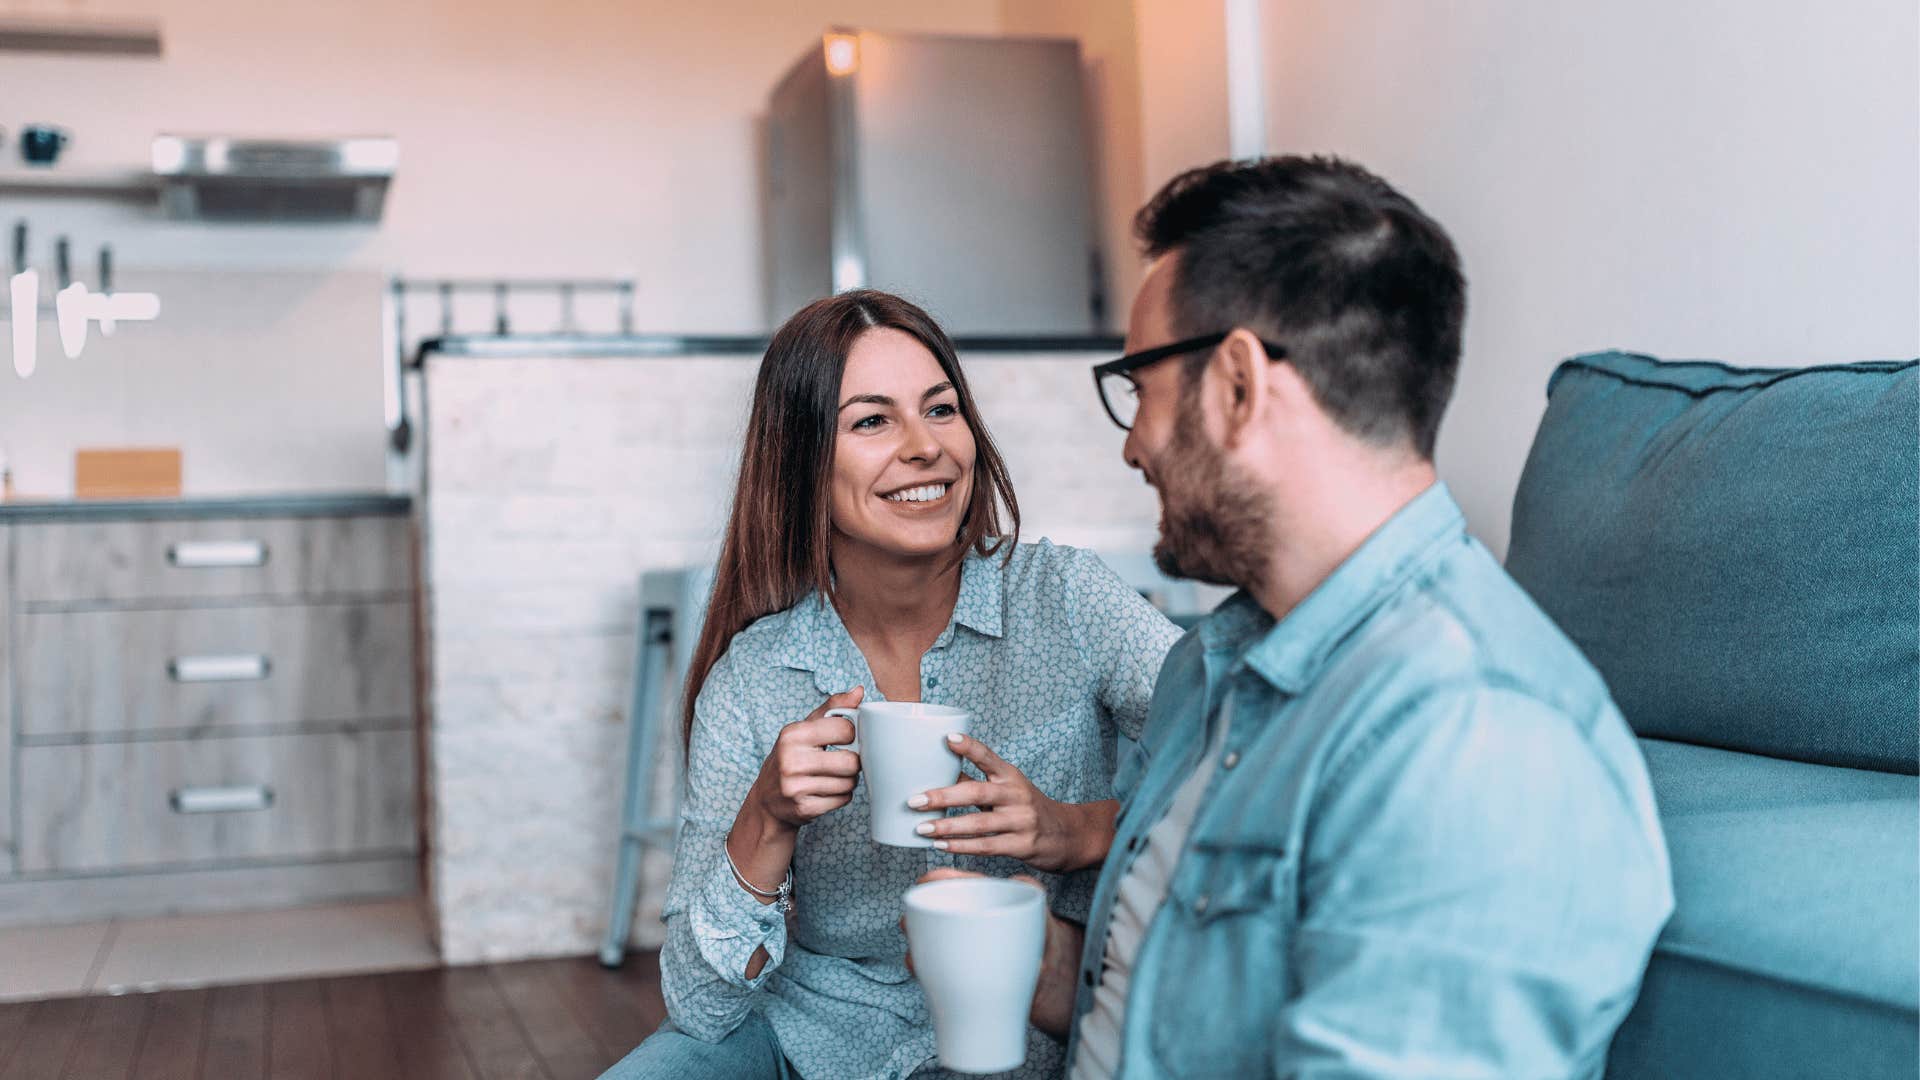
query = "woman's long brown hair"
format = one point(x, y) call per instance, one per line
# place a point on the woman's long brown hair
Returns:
point(776, 549)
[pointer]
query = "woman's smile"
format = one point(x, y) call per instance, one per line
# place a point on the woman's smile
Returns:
point(921, 497)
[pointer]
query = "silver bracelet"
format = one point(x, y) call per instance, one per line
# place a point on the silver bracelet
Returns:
point(782, 897)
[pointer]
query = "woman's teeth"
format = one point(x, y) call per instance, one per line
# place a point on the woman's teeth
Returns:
point(926, 493)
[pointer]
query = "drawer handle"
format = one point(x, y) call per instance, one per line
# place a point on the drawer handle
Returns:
point(239, 667)
point(220, 800)
point(213, 554)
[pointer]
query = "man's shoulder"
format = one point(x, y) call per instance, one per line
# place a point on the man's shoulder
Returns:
point(1464, 627)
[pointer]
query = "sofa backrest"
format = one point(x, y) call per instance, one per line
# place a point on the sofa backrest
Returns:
point(1737, 550)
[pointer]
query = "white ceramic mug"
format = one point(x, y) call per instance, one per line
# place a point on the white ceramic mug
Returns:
point(976, 946)
point(904, 751)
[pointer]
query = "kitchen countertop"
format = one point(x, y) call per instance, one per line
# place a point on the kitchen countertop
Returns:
point(521, 346)
point(325, 504)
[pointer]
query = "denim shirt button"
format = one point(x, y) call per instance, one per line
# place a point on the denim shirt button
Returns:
point(1200, 906)
point(1232, 759)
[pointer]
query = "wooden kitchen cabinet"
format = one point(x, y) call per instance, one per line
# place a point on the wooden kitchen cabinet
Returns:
point(206, 706)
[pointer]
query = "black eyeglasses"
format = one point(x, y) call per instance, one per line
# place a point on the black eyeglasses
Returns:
point(1114, 379)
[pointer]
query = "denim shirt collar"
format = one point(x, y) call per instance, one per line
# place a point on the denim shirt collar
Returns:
point(1289, 653)
point(816, 640)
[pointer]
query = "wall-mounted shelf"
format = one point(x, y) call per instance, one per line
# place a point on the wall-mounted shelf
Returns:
point(80, 36)
point(119, 185)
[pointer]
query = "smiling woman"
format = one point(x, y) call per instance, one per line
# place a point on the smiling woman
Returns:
point(866, 559)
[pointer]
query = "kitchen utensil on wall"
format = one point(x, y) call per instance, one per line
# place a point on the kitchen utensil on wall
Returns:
point(23, 290)
point(74, 305)
point(40, 144)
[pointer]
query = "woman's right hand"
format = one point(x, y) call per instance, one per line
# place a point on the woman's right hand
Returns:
point(801, 779)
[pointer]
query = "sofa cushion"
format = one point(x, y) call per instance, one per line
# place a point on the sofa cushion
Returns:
point(1737, 551)
point(1794, 948)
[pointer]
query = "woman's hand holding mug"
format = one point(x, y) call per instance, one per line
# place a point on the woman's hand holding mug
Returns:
point(1016, 819)
point(801, 779)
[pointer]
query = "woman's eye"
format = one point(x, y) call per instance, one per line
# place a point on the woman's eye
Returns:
point(868, 423)
point(942, 411)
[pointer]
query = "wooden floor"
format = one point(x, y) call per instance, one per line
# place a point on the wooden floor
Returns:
point(542, 1020)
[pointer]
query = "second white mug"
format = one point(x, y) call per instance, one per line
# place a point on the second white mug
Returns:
point(977, 945)
point(904, 751)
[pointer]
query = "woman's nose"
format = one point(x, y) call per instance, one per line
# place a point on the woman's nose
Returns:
point(917, 442)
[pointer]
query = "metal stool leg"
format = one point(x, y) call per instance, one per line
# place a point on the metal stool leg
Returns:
point(643, 730)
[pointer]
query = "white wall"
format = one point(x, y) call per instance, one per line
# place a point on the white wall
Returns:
point(268, 382)
point(1183, 87)
point(1722, 179)
point(564, 137)
point(557, 138)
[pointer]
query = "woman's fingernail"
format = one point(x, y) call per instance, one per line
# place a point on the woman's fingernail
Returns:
point(918, 801)
point(939, 845)
point(925, 828)
point(955, 738)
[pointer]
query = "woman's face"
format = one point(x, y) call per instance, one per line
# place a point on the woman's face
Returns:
point(902, 453)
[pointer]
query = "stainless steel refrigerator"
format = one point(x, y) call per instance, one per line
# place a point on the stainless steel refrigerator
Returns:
point(956, 171)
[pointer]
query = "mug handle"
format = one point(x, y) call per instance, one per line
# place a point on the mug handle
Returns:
point(853, 715)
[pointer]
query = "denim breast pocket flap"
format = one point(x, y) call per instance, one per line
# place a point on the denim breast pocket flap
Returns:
point(1234, 879)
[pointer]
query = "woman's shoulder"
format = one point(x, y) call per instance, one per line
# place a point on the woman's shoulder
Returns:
point(758, 646)
point(1044, 566)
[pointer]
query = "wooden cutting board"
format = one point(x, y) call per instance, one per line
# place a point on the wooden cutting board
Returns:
point(127, 473)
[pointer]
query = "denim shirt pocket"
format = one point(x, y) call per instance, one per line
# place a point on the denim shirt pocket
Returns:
point(1220, 977)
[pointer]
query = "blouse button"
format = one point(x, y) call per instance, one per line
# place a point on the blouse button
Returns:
point(1200, 906)
point(1232, 759)
point(933, 681)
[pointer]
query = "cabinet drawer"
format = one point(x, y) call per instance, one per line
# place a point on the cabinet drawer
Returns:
point(136, 561)
point(112, 806)
point(192, 670)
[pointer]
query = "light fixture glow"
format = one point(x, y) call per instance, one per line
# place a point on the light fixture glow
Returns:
point(169, 154)
point(370, 155)
point(843, 54)
point(849, 272)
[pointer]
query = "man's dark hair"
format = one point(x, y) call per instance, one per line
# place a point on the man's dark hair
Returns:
point(1326, 259)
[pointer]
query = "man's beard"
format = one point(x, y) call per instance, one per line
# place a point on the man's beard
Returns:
point(1214, 522)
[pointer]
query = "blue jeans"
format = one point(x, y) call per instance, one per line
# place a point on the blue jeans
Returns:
point(749, 1052)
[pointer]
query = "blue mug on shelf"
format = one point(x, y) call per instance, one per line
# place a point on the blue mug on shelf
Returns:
point(41, 144)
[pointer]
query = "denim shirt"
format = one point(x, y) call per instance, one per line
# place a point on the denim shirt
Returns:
point(1429, 847)
point(1053, 655)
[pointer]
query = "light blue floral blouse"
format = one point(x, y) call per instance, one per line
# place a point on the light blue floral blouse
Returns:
point(1052, 654)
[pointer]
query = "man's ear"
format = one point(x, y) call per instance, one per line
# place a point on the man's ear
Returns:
point(1241, 377)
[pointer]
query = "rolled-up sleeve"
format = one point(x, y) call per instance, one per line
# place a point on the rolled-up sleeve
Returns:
point(1122, 639)
point(713, 925)
point(1478, 898)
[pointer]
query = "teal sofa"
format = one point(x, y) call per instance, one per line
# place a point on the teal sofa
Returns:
point(1738, 552)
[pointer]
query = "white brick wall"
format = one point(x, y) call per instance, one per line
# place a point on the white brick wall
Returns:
point(551, 485)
